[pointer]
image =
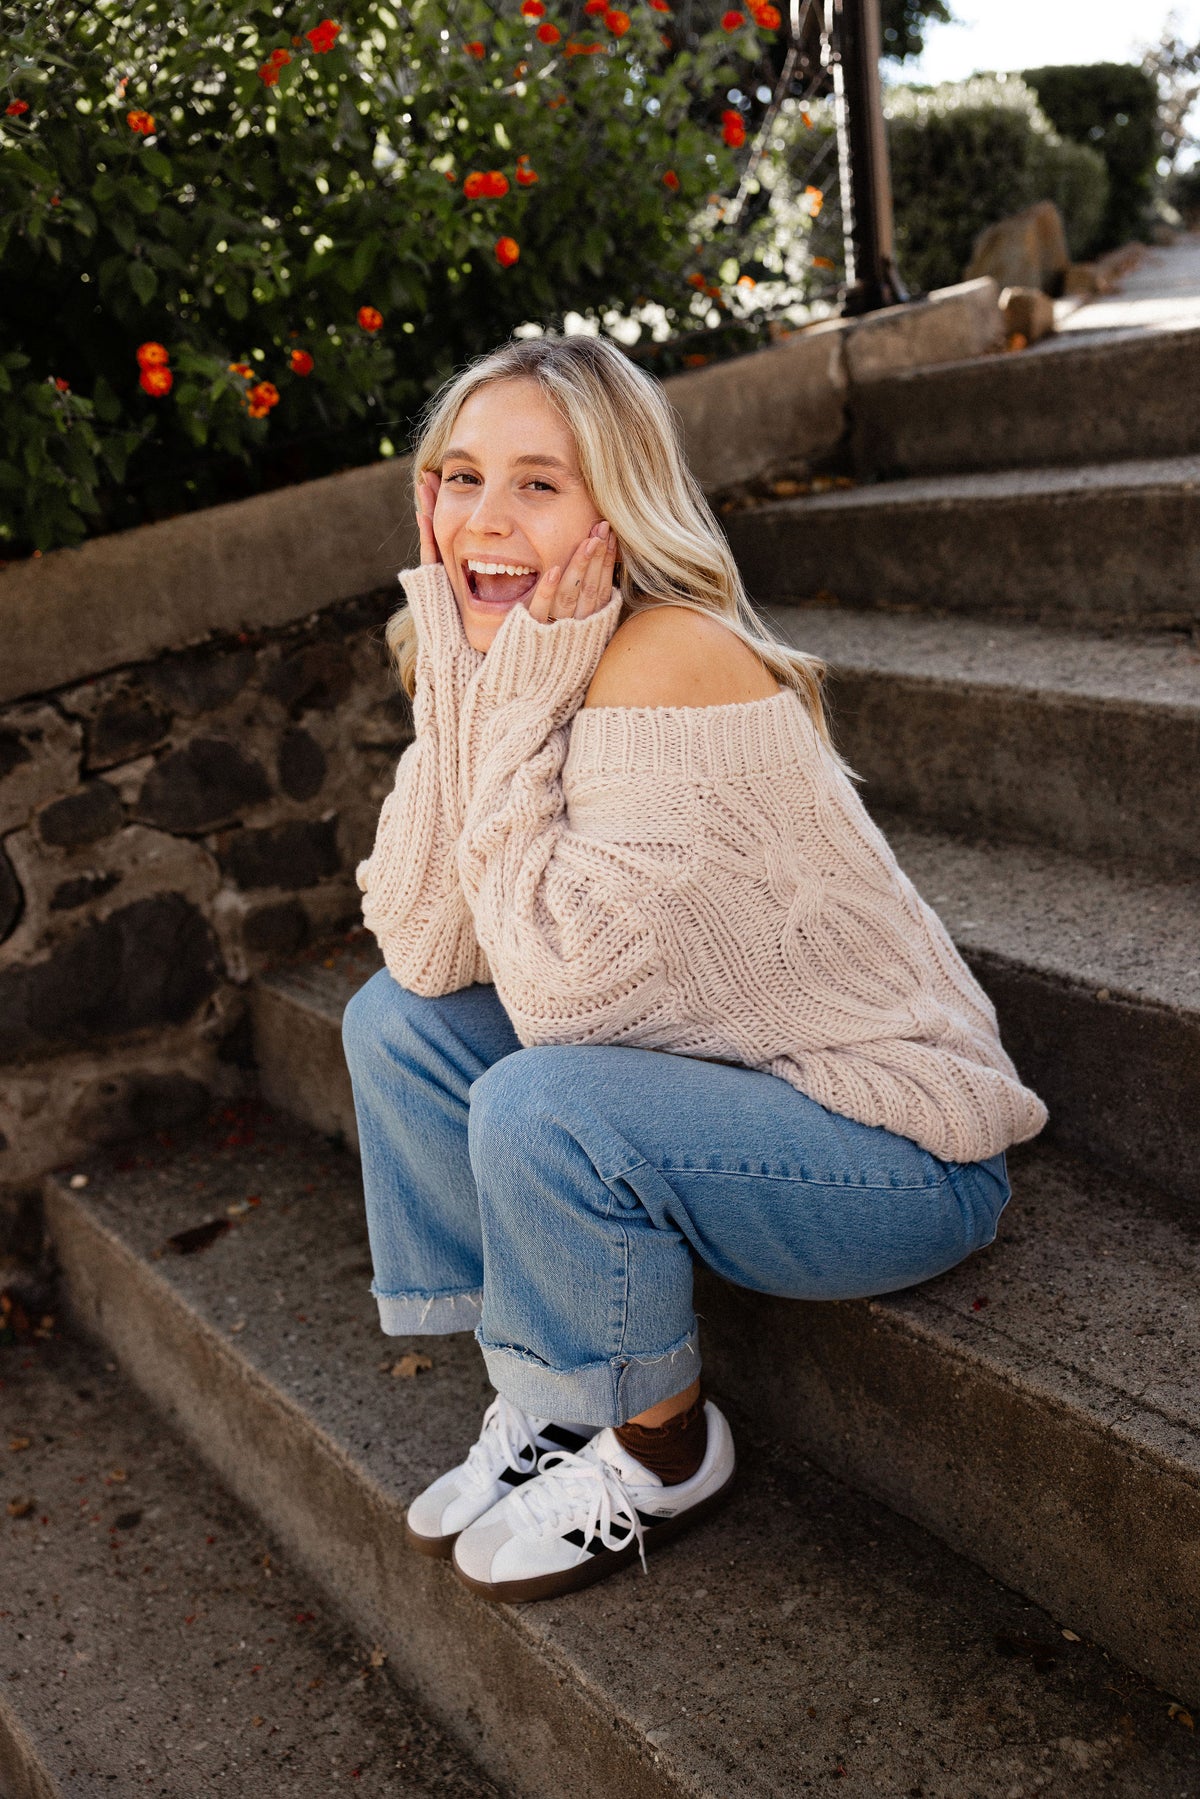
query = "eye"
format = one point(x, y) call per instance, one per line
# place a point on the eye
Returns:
point(538, 482)
point(460, 475)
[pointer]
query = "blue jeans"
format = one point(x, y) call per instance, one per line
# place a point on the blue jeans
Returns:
point(552, 1199)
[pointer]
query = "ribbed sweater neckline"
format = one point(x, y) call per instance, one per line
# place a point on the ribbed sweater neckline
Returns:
point(697, 742)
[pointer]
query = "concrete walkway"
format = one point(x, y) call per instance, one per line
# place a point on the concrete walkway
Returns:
point(1161, 294)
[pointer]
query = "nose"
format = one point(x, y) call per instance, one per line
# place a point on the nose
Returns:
point(490, 513)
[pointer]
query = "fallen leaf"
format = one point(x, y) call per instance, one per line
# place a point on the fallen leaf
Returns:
point(117, 1474)
point(1070, 1636)
point(20, 1508)
point(16, 1444)
point(409, 1365)
point(377, 1657)
point(77, 1181)
point(187, 1243)
point(256, 1721)
point(238, 1325)
point(1181, 1716)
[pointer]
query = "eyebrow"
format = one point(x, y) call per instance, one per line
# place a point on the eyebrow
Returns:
point(518, 461)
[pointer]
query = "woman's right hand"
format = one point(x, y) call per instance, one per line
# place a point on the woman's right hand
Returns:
point(427, 493)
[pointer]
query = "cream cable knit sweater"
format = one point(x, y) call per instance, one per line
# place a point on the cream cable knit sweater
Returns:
point(703, 880)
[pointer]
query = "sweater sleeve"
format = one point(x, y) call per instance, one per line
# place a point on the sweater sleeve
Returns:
point(413, 901)
point(572, 957)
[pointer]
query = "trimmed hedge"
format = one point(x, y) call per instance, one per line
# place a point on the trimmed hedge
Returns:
point(1113, 107)
point(967, 154)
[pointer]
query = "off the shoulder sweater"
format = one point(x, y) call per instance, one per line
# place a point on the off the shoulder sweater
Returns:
point(702, 880)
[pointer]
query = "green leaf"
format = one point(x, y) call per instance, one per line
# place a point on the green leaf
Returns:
point(157, 163)
point(143, 281)
point(104, 188)
point(123, 229)
point(140, 195)
point(105, 401)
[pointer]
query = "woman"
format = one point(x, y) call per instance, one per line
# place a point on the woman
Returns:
point(621, 830)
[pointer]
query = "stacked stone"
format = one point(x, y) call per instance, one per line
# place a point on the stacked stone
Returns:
point(166, 829)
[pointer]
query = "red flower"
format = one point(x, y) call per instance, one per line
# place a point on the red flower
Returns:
point(156, 381)
point(733, 128)
point(268, 74)
point(15, 108)
point(450, 175)
point(55, 200)
point(525, 175)
point(671, 180)
point(142, 122)
point(767, 18)
point(487, 184)
point(241, 368)
point(533, 9)
point(558, 100)
point(152, 355)
point(64, 387)
point(322, 36)
point(696, 279)
point(595, 6)
point(617, 22)
point(659, 6)
point(369, 318)
point(261, 398)
point(548, 34)
point(302, 362)
point(507, 251)
point(475, 49)
point(279, 57)
point(731, 20)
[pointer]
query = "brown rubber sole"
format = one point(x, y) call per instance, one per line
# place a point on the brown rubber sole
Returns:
point(440, 1548)
point(597, 1567)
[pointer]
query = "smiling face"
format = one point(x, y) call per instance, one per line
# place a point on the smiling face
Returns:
point(511, 504)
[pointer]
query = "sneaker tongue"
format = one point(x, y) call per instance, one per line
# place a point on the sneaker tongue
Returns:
point(607, 1448)
point(499, 589)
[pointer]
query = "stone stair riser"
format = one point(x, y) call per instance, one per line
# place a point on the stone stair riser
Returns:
point(1062, 406)
point(1096, 1530)
point(1121, 1080)
point(1034, 768)
point(472, 1666)
point(1103, 557)
point(302, 1070)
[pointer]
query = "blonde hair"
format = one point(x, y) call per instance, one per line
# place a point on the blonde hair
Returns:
point(631, 458)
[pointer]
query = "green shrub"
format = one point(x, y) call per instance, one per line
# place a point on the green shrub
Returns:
point(1113, 108)
point(967, 154)
point(163, 181)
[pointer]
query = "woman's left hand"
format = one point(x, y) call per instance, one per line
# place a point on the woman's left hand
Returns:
point(584, 586)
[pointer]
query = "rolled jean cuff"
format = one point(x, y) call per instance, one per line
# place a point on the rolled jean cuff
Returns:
point(598, 1393)
point(428, 1314)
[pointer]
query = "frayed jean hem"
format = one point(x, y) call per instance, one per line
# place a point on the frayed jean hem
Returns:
point(428, 1314)
point(599, 1393)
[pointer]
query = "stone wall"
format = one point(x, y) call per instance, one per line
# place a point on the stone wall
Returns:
point(166, 829)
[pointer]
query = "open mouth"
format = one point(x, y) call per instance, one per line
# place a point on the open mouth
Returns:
point(494, 583)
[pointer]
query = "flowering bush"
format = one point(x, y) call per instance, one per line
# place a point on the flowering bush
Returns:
point(316, 219)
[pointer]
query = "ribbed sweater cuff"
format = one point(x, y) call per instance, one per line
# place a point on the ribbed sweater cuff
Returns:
point(548, 666)
point(440, 633)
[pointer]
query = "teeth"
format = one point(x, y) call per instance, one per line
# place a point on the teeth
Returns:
point(498, 568)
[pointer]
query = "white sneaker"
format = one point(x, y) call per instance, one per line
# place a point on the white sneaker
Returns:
point(505, 1455)
point(586, 1515)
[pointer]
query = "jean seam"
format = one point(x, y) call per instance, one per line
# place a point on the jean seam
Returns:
point(801, 1180)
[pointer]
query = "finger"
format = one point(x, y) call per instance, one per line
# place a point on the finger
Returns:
point(427, 491)
point(598, 585)
point(571, 599)
point(542, 598)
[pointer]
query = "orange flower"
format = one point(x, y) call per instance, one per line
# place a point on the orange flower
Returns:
point(268, 74)
point(806, 118)
point(156, 381)
point(671, 180)
point(617, 22)
point(548, 34)
point(731, 20)
point(767, 18)
point(485, 184)
point(476, 49)
point(279, 57)
point(696, 279)
point(526, 176)
point(816, 200)
point(15, 108)
point(574, 48)
point(821, 262)
point(533, 9)
point(507, 251)
point(142, 122)
point(243, 369)
point(369, 318)
point(261, 398)
point(55, 200)
point(521, 68)
point(664, 40)
point(64, 387)
point(558, 100)
point(152, 355)
point(302, 362)
point(450, 175)
point(747, 281)
point(296, 42)
point(322, 36)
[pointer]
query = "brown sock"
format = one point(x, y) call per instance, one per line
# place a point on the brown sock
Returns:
point(674, 1450)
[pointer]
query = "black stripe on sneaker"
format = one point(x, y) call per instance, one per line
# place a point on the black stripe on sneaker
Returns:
point(563, 1438)
point(515, 1477)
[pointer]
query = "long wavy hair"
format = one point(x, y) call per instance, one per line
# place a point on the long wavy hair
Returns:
point(631, 458)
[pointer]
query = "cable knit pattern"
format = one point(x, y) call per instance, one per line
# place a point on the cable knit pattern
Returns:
point(702, 880)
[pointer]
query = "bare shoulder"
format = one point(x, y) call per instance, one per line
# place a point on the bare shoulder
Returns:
point(670, 656)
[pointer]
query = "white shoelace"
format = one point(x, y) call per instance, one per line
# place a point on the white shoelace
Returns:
point(578, 1492)
point(505, 1441)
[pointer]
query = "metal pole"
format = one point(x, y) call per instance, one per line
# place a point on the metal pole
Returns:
point(872, 279)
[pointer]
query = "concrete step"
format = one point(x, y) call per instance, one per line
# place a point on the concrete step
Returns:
point(1094, 972)
point(806, 1635)
point(1036, 734)
point(1134, 393)
point(155, 1638)
point(1113, 543)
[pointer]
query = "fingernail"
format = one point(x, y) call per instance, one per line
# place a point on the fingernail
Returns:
point(602, 528)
